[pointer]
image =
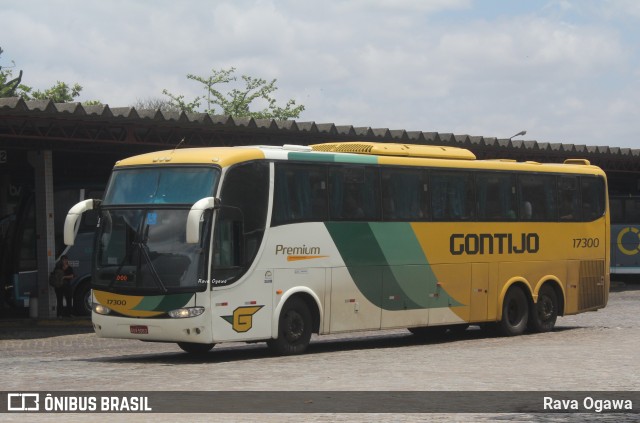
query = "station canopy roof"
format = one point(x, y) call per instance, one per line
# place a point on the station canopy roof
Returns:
point(77, 127)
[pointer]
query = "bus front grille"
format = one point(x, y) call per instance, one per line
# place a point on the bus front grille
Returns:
point(592, 286)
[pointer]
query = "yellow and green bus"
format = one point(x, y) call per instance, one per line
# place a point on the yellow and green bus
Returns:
point(200, 246)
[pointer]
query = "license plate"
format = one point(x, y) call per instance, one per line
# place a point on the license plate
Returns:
point(139, 330)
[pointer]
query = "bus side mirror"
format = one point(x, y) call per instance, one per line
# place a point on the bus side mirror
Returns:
point(195, 216)
point(73, 216)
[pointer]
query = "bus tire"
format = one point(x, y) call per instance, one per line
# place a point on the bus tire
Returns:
point(515, 312)
point(294, 328)
point(194, 348)
point(545, 312)
point(82, 299)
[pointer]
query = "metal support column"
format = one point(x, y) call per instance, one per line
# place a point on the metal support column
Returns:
point(42, 161)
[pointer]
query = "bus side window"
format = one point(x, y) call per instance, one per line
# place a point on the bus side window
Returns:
point(593, 198)
point(354, 193)
point(404, 194)
point(540, 192)
point(569, 198)
point(452, 196)
point(496, 196)
point(300, 194)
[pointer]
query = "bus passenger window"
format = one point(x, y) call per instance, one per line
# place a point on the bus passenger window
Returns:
point(593, 198)
point(354, 193)
point(496, 196)
point(452, 196)
point(404, 194)
point(540, 192)
point(569, 200)
point(300, 194)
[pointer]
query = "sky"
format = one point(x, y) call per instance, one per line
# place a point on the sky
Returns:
point(563, 70)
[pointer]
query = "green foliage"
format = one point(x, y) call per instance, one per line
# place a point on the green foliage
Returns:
point(92, 103)
point(8, 84)
point(61, 92)
point(236, 102)
point(155, 103)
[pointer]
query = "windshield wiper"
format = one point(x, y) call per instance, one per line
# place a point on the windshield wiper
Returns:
point(152, 269)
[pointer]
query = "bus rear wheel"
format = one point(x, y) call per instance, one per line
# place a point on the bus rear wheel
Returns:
point(194, 348)
point(294, 328)
point(515, 312)
point(545, 311)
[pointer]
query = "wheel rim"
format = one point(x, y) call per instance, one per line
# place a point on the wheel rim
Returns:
point(546, 310)
point(513, 313)
point(87, 301)
point(294, 326)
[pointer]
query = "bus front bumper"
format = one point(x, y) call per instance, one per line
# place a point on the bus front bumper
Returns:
point(193, 329)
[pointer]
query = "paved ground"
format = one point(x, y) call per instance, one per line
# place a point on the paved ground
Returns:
point(594, 351)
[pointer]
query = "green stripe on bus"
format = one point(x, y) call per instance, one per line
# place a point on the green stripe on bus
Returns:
point(413, 275)
point(163, 302)
point(388, 265)
point(333, 158)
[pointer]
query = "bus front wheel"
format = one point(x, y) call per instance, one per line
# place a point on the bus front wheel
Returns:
point(515, 312)
point(194, 348)
point(294, 328)
point(545, 311)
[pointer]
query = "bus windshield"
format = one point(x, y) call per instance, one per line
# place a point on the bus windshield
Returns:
point(141, 239)
point(167, 185)
point(144, 251)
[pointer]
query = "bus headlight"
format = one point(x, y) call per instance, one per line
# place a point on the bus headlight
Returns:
point(181, 313)
point(100, 309)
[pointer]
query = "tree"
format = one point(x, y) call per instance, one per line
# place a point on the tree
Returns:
point(156, 103)
point(61, 92)
point(236, 102)
point(8, 84)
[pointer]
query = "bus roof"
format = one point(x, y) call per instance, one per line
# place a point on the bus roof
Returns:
point(221, 156)
point(355, 153)
point(389, 149)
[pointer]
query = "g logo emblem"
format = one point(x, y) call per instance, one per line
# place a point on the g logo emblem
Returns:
point(242, 318)
point(622, 248)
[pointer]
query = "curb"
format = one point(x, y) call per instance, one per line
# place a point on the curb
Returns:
point(43, 323)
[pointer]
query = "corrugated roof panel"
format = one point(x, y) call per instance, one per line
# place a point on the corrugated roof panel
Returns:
point(247, 122)
point(447, 138)
point(42, 105)
point(327, 128)
point(125, 112)
point(363, 131)
point(307, 127)
point(398, 134)
point(288, 125)
point(71, 108)
point(46, 109)
point(266, 124)
point(346, 130)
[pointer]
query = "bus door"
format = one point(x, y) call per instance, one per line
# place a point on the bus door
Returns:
point(241, 300)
